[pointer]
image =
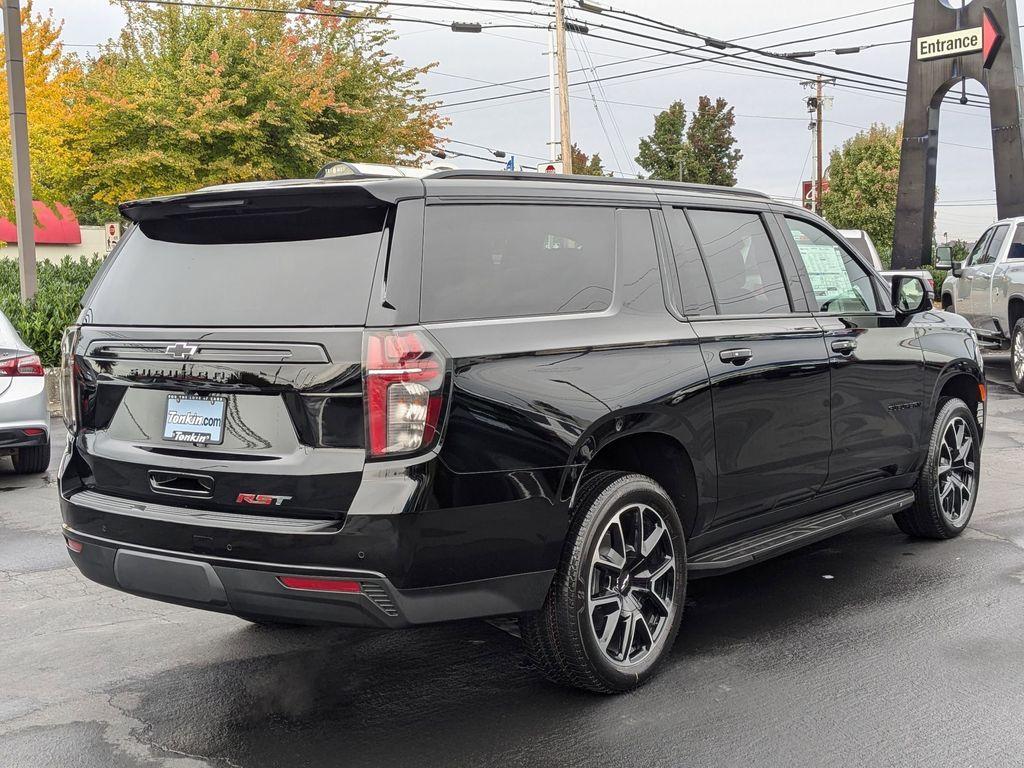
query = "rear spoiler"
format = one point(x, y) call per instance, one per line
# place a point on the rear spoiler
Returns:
point(231, 198)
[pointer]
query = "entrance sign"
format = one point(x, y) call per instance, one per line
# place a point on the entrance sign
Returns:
point(950, 44)
point(985, 39)
point(981, 42)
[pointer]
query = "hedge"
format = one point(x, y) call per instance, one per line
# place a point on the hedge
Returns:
point(42, 321)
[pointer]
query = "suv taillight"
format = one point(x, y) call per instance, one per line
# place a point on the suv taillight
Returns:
point(404, 377)
point(68, 385)
point(29, 365)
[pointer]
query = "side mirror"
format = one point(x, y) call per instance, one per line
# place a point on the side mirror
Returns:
point(957, 269)
point(943, 257)
point(909, 295)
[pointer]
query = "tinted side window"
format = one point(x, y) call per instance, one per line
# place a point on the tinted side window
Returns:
point(995, 245)
point(741, 262)
point(1017, 245)
point(839, 283)
point(693, 277)
point(493, 261)
point(638, 261)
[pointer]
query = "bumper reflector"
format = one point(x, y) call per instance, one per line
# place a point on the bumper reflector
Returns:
point(33, 432)
point(319, 585)
point(74, 546)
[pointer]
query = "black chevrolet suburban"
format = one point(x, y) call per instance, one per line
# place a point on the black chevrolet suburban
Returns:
point(384, 402)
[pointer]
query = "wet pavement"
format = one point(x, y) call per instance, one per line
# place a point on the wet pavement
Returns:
point(869, 649)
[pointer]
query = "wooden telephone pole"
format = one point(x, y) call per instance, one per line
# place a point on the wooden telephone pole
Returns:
point(816, 105)
point(563, 86)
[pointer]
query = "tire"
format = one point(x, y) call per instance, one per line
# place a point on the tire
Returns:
point(1017, 355)
point(613, 611)
point(31, 460)
point(947, 488)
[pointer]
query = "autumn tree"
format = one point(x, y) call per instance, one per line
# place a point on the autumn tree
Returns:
point(702, 152)
point(55, 119)
point(863, 179)
point(585, 165)
point(187, 97)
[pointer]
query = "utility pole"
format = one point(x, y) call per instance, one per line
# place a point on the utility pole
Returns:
point(563, 86)
point(15, 61)
point(816, 105)
point(552, 98)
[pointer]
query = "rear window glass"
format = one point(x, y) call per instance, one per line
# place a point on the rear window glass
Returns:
point(494, 261)
point(292, 268)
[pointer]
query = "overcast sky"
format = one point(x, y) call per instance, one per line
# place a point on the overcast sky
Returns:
point(771, 122)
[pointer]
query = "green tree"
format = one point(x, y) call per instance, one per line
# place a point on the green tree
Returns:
point(703, 151)
point(586, 165)
point(863, 179)
point(659, 151)
point(187, 97)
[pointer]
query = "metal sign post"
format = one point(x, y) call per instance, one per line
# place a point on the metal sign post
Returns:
point(978, 41)
point(25, 220)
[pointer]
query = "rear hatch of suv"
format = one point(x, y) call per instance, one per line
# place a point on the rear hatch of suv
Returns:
point(217, 364)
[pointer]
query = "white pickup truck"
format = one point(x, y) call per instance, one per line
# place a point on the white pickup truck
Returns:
point(862, 241)
point(988, 289)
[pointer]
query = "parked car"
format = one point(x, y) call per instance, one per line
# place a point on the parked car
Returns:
point(24, 408)
point(389, 402)
point(988, 289)
point(862, 241)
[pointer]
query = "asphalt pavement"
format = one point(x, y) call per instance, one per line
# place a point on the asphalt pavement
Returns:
point(869, 649)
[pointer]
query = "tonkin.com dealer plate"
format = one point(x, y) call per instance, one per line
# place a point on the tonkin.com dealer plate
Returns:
point(195, 419)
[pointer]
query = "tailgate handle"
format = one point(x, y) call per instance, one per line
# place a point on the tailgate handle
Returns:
point(188, 484)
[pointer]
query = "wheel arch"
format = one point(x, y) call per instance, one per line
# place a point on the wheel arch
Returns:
point(947, 301)
point(660, 456)
point(961, 380)
point(1014, 312)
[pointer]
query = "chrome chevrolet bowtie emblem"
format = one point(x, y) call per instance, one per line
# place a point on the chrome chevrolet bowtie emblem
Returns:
point(181, 350)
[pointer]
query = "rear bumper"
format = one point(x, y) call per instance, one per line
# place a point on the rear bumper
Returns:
point(23, 405)
point(253, 589)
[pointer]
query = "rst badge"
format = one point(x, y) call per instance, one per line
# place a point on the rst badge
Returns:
point(262, 498)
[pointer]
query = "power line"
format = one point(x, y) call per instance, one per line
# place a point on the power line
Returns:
point(822, 21)
point(342, 14)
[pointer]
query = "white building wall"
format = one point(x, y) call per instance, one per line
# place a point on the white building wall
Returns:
point(94, 243)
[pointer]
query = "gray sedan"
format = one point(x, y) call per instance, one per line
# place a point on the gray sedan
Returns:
point(24, 415)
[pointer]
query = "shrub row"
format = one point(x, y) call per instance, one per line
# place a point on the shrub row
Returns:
point(42, 321)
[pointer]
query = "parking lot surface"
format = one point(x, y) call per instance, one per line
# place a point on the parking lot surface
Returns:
point(869, 649)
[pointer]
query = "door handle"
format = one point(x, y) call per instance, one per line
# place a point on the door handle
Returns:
point(845, 346)
point(735, 356)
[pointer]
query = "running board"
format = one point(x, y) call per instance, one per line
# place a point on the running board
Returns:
point(794, 534)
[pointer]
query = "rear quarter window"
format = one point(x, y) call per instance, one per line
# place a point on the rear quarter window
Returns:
point(496, 261)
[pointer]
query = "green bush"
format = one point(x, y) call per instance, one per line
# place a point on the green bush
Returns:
point(42, 321)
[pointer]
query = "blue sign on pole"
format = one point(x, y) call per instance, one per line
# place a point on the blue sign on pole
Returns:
point(511, 164)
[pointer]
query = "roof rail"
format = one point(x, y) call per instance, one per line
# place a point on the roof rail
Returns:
point(578, 179)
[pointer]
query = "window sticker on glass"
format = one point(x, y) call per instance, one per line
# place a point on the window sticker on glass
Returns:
point(826, 269)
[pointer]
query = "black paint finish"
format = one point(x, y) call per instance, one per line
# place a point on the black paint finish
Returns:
point(746, 420)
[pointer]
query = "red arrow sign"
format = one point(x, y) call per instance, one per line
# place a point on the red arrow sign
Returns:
point(991, 38)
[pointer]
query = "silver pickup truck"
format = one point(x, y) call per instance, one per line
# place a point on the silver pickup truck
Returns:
point(988, 289)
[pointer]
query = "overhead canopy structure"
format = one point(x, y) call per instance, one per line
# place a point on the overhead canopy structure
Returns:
point(979, 41)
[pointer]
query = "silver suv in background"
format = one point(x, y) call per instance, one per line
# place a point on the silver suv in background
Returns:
point(987, 288)
point(862, 241)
